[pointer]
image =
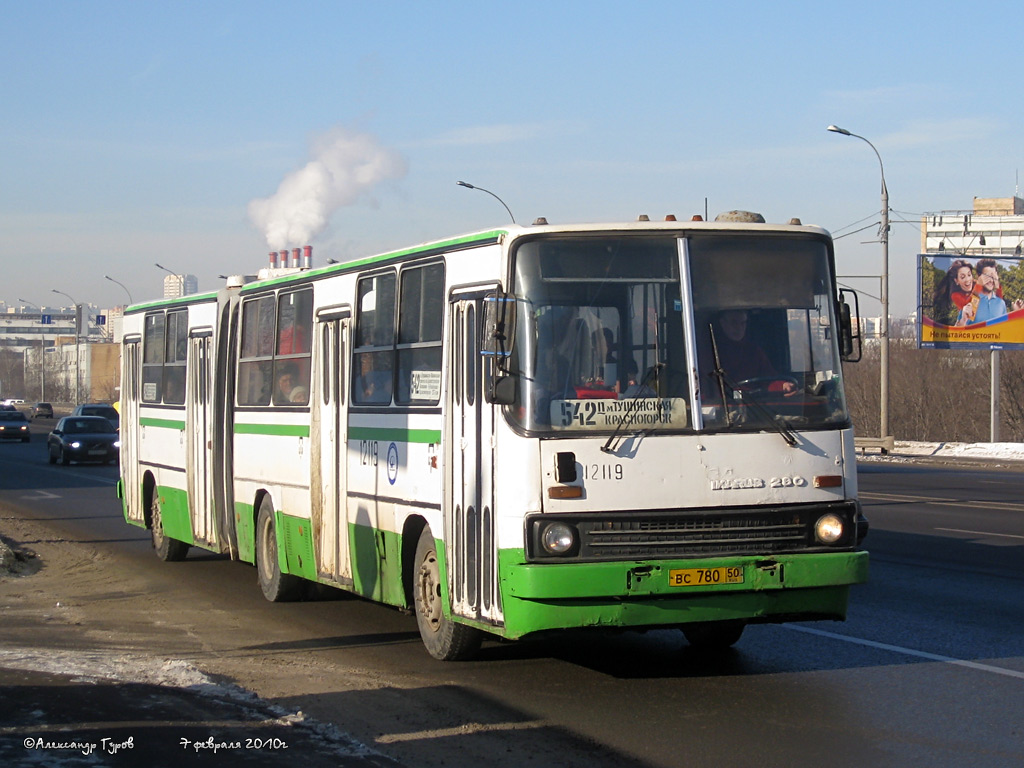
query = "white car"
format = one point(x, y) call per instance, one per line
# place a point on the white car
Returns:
point(13, 401)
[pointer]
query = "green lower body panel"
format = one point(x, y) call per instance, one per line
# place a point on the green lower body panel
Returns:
point(376, 555)
point(376, 564)
point(245, 532)
point(538, 597)
point(174, 514)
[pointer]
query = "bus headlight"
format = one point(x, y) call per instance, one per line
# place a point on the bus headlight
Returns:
point(828, 529)
point(558, 538)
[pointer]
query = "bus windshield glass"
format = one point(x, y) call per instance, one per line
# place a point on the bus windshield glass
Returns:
point(636, 333)
point(600, 335)
point(767, 347)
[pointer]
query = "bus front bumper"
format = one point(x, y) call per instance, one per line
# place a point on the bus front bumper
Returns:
point(538, 597)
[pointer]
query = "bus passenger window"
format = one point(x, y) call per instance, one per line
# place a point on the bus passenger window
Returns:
point(373, 359)
point(420, 317)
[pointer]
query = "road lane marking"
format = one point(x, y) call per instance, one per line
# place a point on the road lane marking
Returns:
point(39, 495)
point(969, 503)
point(461, 730)
point(981, 533)
point(908, 651)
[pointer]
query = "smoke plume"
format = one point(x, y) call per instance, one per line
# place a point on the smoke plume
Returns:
point(344, 166)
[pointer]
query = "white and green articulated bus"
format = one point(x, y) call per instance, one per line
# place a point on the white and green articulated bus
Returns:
point(523, 430)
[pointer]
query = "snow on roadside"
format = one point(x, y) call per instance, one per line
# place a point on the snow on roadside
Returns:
point(1005, 451)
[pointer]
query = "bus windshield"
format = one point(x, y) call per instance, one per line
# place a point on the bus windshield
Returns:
point(652, 332)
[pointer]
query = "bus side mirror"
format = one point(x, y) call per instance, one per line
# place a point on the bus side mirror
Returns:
point(502, 390)
point(499, 328)
point(849, 340)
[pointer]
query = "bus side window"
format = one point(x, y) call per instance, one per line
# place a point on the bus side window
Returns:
point(174, 360)
point(420, 317)
point(374, 357)
point(153, 357)
point(256, 359)
point(292, 361)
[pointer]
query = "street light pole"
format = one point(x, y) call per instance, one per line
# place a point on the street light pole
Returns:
point(42, 352)
point(884, 294)
point(467, 185)
point(130, 302)
point(181, 278)
point(78, 378)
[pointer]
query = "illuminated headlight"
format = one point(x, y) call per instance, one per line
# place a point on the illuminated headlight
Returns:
point(117, 443)
point(558, 538)
point(76, 445)
point(828, 529)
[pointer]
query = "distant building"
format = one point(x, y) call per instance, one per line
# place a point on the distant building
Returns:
point(180, 285)
point(21, 330)
point(96, 378)
point(993, 227)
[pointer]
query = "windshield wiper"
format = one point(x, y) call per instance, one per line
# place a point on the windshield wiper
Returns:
point(776, 421)
point(634, 407)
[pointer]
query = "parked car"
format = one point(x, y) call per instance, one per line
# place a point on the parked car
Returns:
point(99, 409)
point(42, 411)
point(14, 426)
point(83, 438)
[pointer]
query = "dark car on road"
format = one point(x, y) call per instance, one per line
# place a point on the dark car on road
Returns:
point(42, 411)
point(14, 426)
point(99, 409)
point(83, 438)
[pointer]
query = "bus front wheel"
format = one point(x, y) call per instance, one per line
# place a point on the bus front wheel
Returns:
point(277, 587)
point(443, 638)
point(167, 549)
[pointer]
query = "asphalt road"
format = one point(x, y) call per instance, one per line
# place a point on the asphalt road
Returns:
point(927, 670)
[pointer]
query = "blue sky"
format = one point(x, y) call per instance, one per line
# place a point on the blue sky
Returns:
point(135, 133)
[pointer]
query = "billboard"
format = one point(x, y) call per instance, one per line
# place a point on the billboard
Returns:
point(974, 302)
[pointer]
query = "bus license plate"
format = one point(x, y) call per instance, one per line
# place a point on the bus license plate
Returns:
point(701, 577)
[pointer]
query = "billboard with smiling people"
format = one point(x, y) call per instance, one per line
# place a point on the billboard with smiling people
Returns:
point(970, 302)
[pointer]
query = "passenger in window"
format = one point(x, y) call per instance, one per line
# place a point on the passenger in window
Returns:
point(174, 385)
point(291, 340)
point(373, 385)
point(289, 388)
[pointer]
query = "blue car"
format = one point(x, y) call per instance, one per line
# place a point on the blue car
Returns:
point(83, 438)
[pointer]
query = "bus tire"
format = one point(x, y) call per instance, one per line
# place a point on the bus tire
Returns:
point(167, 549)
point(714, 635)
point(277, 587)
point(444, 639)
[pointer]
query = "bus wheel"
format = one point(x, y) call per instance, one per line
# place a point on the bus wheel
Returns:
point(167, 549)
point(277, 587)
point(444, 639)
point(714, 635)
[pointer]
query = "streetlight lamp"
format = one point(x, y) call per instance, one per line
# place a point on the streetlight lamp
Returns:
point(122, 285)
point(42, 352)
point(181, 278)
point(884, 337)
point(78, 378)
point(467, 185)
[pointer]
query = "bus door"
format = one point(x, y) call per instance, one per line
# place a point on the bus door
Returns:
point(469, 514)
point(199, 436)
point(131, 374)
point(329, 438)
